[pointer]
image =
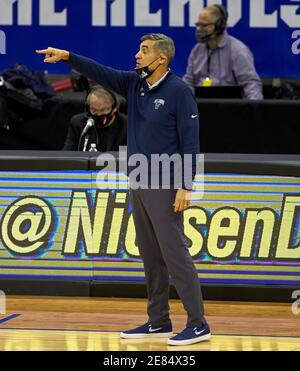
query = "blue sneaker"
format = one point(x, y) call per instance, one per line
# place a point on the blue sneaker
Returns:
point(191, 335)
point(147, 330)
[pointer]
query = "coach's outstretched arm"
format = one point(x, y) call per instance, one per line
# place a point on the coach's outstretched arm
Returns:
point(53, 55)
point(118, 81)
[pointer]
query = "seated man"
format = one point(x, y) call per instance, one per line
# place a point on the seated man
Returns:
point(219, 59)
point(101, 126)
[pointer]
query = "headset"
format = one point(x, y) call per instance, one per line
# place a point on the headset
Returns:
point(221, 23)
point(100, 87)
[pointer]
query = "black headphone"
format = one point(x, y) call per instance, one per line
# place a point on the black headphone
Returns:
point(221, 23)
point(100, 87)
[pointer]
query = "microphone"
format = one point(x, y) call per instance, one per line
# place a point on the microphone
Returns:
point(85, 143)
point(89, 124)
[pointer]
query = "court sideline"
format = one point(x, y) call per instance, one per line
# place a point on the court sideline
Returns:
point(71, 323)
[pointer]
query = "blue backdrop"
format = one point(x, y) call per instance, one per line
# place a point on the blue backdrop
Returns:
point(109, 30)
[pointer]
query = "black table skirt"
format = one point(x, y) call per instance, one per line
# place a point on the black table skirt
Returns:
point(226, 126)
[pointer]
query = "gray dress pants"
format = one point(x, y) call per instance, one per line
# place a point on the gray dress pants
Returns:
point(162, 245)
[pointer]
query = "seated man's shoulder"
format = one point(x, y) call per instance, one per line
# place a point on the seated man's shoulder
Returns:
point(237, 45)
point(79, 119)
point(198, 49)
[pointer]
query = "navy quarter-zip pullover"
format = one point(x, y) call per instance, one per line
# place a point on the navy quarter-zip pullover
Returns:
point(162, 120)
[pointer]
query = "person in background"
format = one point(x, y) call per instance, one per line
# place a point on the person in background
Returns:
point(219, 59)
point(106, 130)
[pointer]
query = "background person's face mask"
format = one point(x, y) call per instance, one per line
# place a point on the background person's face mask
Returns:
point(202, 36)
point(102, 120)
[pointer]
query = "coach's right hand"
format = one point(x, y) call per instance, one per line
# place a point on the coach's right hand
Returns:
point(53, 55)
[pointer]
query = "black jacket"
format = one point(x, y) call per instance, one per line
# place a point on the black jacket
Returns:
point(106, 139)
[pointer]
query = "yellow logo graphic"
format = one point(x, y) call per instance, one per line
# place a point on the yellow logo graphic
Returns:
point(229, 232)
point(26, 225)
point(102, 225)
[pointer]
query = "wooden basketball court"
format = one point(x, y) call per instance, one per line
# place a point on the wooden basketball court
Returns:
point(60, 323)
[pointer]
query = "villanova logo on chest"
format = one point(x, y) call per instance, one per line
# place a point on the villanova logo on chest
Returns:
point(158, 103)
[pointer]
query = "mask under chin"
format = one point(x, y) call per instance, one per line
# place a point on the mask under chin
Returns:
point(144, 72)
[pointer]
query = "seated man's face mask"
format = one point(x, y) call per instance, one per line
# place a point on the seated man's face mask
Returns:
point(101, 120)
point(202, 35)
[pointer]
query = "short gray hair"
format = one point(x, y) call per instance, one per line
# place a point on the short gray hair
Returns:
point(163, 44)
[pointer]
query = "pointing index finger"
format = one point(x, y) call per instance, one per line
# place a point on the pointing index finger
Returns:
point(43, 51)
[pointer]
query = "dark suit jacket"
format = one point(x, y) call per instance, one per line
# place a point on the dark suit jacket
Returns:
point(106, 139)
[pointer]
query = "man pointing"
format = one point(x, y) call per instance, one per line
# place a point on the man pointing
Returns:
point(162, 120)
